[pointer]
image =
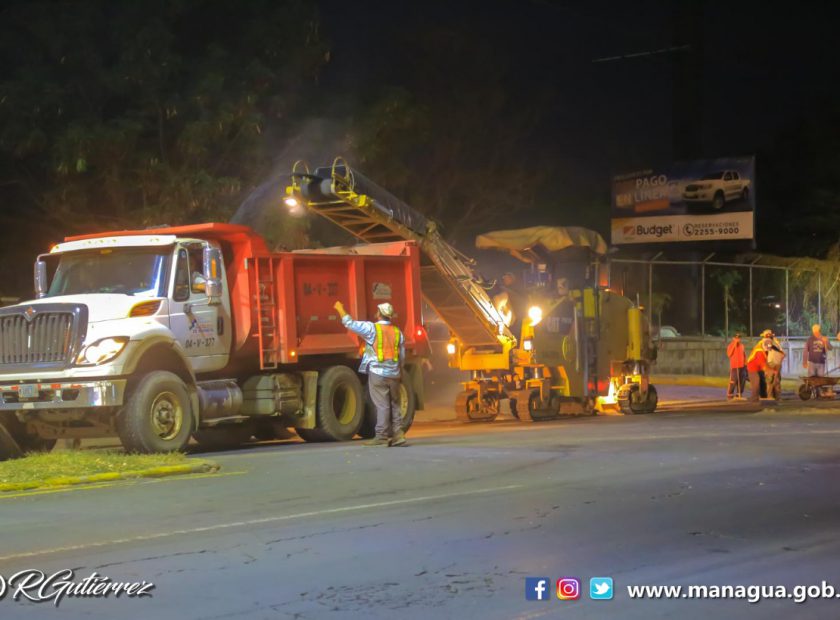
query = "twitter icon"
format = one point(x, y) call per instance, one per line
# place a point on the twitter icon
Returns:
point(601, 588)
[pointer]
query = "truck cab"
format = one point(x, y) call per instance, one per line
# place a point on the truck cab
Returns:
point(162, 335)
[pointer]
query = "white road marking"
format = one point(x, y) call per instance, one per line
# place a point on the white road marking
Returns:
point(224, 526)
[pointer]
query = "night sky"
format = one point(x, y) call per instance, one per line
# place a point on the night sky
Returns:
point(760, 67)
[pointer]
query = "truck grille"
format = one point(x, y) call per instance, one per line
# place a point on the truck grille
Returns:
point(41, 335)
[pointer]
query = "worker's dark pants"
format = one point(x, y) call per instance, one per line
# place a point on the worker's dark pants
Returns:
point(755, 385)
point(385, 395)
point(737, 379)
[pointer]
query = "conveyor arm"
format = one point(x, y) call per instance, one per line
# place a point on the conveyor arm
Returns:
point(374, 215)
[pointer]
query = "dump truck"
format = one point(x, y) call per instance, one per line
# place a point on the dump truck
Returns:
point(602, 362)
point(162, 334)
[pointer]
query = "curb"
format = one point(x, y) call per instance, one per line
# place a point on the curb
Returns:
point(711, 382)
point(153, 472)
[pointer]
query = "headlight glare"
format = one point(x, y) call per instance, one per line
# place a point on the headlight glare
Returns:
point(102, 351)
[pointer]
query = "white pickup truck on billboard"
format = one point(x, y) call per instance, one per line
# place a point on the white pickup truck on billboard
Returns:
point(703, 200)
point(717, 188)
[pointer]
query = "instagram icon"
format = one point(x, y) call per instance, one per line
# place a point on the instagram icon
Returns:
point(568, 589)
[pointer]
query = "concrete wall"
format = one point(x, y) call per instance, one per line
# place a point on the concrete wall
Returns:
point(707, 356)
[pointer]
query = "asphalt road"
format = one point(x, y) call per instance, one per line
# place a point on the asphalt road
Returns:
point(451, 526)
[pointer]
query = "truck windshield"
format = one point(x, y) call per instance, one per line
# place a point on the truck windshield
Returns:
point(128, 271)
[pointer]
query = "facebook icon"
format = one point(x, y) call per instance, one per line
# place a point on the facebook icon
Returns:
point(536, 589)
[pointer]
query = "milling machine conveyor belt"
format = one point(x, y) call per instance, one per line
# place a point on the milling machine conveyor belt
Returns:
point(374, 215)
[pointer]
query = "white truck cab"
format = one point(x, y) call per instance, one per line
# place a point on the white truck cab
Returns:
point(66, 358)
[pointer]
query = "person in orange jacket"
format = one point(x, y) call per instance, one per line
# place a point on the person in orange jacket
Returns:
point(737, 367)
point(756, 365)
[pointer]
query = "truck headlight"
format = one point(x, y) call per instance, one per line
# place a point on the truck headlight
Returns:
point(450, 348)
point(528, 344)
point(102, 351)
point(535, 313)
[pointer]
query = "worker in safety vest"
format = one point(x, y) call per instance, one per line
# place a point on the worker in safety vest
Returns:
point(756, 365)
point(382, 361)
point(737, 367)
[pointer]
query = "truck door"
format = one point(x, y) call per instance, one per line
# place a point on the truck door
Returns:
point(203, 330)
point(730, 185)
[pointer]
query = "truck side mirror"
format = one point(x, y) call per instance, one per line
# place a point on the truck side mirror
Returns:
point(213, 275)
point(41, 284)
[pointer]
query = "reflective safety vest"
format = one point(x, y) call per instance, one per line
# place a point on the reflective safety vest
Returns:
point(387, 343)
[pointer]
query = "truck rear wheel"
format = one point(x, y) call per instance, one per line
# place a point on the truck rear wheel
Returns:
point(408, 405)
point(156, 417)
point(340, 406)
point(224, 436)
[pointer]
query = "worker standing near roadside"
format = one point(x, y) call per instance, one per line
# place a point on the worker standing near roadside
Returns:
point(382, 361)
point(775, 356)
point(815, 352)
point(737, 367)
point(756, 365)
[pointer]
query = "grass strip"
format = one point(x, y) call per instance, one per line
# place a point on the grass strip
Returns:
point(70, 467)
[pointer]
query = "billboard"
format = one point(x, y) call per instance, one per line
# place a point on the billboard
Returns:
point(701, 200)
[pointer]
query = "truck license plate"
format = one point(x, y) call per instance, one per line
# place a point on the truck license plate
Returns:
point(28, 391)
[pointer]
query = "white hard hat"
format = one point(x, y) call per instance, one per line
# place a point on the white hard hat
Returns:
point(386, 310)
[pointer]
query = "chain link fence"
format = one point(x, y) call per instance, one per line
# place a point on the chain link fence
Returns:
point(706, 301)
point(716, 298)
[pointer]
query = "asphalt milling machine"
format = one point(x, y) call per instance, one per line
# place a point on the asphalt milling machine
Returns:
point(581, 348)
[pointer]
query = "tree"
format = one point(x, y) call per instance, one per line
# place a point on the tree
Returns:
point(125, 114)
point(727, 280)
point(660, 303)
point(463, 159)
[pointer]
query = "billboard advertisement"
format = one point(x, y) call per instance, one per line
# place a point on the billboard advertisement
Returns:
point(691, 201)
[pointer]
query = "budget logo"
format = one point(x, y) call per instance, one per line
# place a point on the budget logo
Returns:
point(601, 588)
point(568, 589)
point(536, 588)
point(629, 231)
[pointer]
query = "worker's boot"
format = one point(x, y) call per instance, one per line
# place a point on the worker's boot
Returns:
point(399, 440)
point(378, 442)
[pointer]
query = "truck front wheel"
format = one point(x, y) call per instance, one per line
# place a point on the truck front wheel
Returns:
point(156, 417)
point(340, 406)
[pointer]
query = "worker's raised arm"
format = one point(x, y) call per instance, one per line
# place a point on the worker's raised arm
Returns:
point(364, 329)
